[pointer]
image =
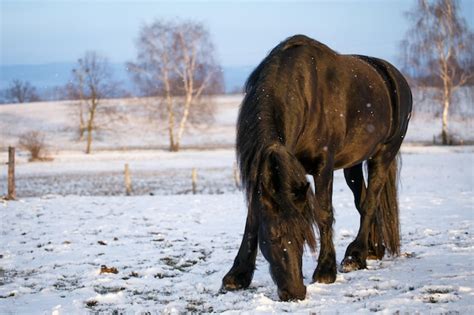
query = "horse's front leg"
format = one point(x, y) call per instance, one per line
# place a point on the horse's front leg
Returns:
point(241, 273)
point(326, 270)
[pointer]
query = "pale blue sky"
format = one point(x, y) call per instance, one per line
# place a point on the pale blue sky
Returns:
point(47, 31)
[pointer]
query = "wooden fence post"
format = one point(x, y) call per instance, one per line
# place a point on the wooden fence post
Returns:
point(194, 180)
point(11, 174)
point(128, 181)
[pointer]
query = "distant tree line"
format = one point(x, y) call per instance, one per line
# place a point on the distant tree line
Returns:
point(20, 91)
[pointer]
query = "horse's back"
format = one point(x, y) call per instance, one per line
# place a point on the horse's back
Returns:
point(295, 56)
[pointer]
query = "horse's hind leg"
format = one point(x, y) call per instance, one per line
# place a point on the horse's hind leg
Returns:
point(241, 273)
point(357, 251)
point(355, 180)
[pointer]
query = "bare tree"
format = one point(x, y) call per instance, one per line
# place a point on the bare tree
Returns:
point(73, 91)
point(91, 83)
point(437, 51)
point(176, 64)
point(21, 92)
point(34, 143)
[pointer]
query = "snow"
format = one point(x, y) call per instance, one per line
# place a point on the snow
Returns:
point(135, 130)
point(101, 173)
point(171, 251)
point(171, 248)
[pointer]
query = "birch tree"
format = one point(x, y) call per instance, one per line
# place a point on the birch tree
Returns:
point(438, 50)
point(176, 65)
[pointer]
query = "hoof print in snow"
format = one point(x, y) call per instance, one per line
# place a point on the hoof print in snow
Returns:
point(179, 264)
point(91, 303)
point(161, 275)
point(133, 274)
point(105, 269)
point(100, 289)
point(198, 306)
point(170, 261)
point(408, 255)
point(12, 294)
point(439, 294)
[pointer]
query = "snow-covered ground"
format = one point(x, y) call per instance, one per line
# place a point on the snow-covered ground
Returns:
point(101, 173)
point(170, 248)
point(171, 251)
point(152, 172)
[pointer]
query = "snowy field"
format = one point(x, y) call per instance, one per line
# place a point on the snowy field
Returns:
point(134, 129)
point(75, 244)
point(101, 173)
point(168, 253)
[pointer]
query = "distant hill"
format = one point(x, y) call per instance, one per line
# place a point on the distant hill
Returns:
point(45, 77)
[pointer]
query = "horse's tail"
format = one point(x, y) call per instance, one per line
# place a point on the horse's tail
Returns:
point(388, 214)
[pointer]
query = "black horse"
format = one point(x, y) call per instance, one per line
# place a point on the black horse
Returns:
point(310, 110)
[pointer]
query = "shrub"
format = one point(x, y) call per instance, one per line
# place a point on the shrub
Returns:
point(34, 143)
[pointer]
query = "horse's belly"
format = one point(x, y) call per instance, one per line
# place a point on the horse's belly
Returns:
point(355, 153)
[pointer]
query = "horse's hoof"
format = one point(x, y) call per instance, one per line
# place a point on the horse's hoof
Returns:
point(231, 287)
point(325, 276)
point(232, 283)
point(286, 296)
point(351, 263)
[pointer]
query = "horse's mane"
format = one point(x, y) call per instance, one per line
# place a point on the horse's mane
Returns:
point(264, 161)
point(257, 125)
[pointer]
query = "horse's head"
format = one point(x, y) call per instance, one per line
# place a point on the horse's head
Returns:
point(285, 202)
